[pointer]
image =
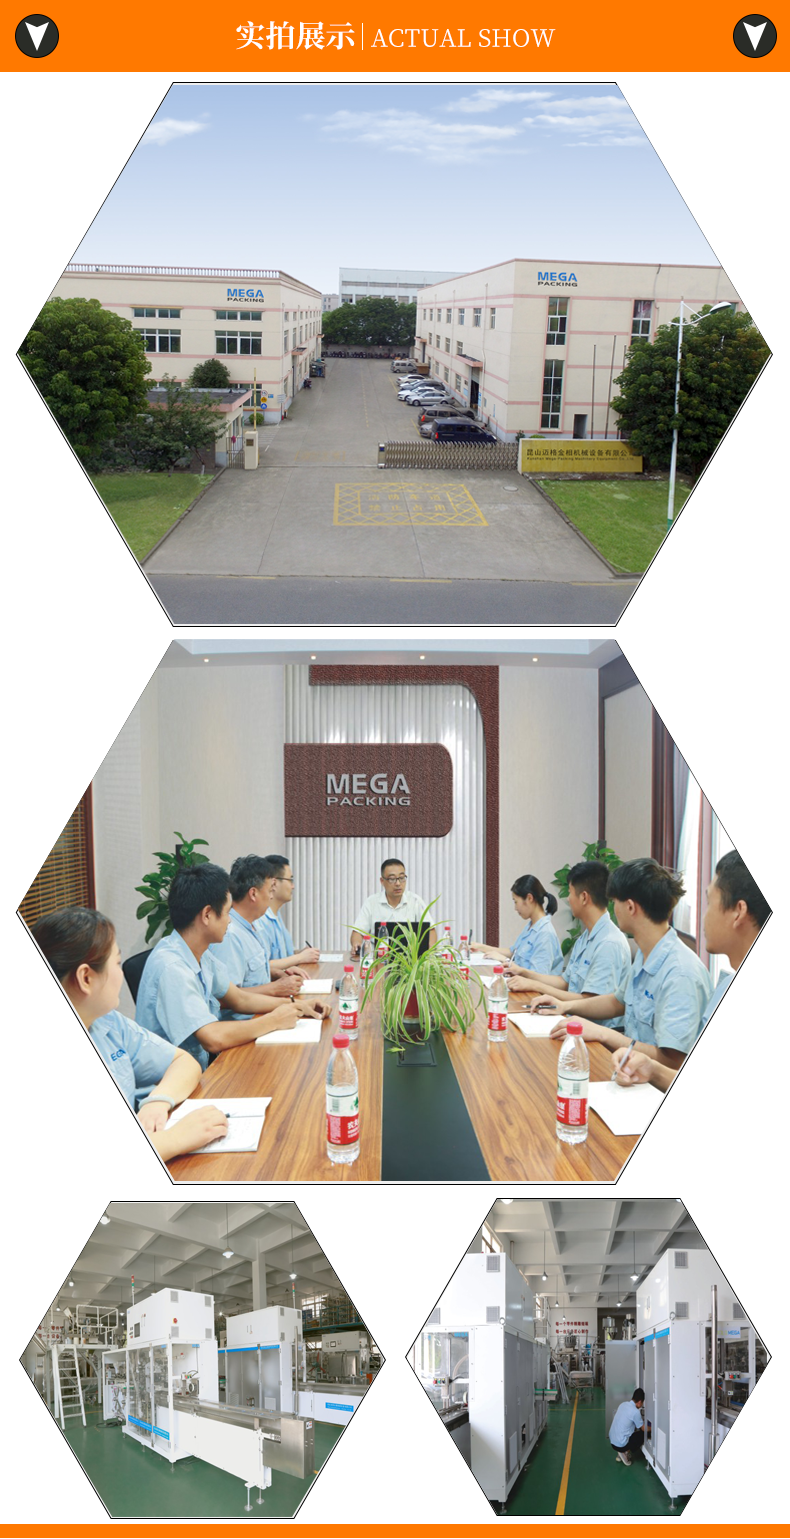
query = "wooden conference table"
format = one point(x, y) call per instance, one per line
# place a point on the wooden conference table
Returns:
point(509, 1091)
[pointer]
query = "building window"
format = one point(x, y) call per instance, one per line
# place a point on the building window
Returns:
point(640, 325)
point(459, 348)
point(552, 393)
point(457, 381)
point(448, 315)
point(557, 323)
point(430, 315)
point(492, 320)
point(447, 344)
point(447, 374)
point(237, 341)
point(285, 343)
point(477, 316)
point(66, 877)
point(491, 1242)
point(163, 315)
point(161, 341)
point(239, 315)
point(430, 339)
point(461, 317)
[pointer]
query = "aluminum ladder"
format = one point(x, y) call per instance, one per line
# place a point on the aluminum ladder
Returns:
point(69, 1385)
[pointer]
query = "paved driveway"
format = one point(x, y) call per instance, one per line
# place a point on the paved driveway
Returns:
point(319, 506)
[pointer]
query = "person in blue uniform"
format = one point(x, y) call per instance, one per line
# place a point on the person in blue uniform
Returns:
point(627, 1432)
point(184, 986)
point(663, 1000)
point(80, 946)
point(244, 952)
point(537, 947)
point(600, 959)
point(278, 937)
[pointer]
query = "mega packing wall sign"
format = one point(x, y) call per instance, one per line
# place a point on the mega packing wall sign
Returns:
point(379, 790)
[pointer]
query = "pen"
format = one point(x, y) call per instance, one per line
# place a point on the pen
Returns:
point(623, 1060)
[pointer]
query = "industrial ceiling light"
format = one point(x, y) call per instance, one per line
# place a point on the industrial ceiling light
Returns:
point(506, 1201)
point(104, 1219)
point(227, 1252)
point(71, 1282)
point(634, 1274)
point(292, 1273)
point(544, 1278)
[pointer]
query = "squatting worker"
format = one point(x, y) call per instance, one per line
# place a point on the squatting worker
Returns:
point(393, 904)
point(627, 1432)
point(80, 946)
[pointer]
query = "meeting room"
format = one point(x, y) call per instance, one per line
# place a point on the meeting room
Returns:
point(347, 915)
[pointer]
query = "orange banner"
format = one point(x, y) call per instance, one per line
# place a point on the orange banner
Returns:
point(197, 1530)
point(545, 36)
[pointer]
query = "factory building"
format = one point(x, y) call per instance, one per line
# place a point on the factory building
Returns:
point(262, 324)
point(402, 284)
point(579, 1339)
point(535, 347)
point(217, 1337)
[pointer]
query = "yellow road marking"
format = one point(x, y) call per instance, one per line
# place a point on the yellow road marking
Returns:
point(365, 503)
point(559, 1510)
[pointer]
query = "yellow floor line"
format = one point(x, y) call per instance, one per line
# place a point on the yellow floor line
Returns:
point(559, 1510)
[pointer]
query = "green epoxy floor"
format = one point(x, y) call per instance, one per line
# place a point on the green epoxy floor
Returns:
point(135, 1482)
point(598, 1485)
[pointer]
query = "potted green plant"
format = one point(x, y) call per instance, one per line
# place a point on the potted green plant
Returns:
point(597, 851)
point(156, 884)
point(419, 991)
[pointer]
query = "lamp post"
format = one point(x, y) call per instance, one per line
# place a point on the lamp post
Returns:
point(722, 305)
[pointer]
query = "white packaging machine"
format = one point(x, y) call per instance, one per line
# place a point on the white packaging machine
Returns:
point(172, 1397)
point(484, 1370)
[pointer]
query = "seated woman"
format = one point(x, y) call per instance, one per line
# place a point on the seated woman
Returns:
point(80, 946)
point(537, 947)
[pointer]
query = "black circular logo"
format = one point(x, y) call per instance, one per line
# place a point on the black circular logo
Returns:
point(37, 36)
point(754, 36)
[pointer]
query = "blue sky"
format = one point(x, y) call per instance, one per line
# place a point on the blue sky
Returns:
point(311, 177)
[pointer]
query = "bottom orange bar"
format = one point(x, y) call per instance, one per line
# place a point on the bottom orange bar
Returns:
point(393, 1530)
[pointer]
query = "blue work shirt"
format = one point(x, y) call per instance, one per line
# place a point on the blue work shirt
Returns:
point(135, 1058)
point(627, 1419)
point(245, 956)
point(177, 995)
point(725, 979)
point(279, 941)
point(666, 995)
point(538, 948)
point(600, 960)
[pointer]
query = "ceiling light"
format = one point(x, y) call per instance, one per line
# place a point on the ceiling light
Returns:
point(292, 1276)
point(312, 657)
point(544, 1277)
point(534, 659)
point(71, 1282)
point(228, 1253)
point(506, 1201)
point(422, 657)
point(205, 659)
point(57, 1309)
point(104, 1219)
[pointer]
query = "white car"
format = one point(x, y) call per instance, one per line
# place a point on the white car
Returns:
point(426, 398)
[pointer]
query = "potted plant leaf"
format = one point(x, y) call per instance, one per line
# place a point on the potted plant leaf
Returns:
point(418, 991)
point(156, 884)
point(599, 850)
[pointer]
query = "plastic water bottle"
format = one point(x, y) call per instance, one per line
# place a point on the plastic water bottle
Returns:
point(348, 1017)
point(448, 955)
point(365, 958)
point(573, 1086)
point(383, 944)
point(342, 1104)
point(497, 1006)
point(464, 955)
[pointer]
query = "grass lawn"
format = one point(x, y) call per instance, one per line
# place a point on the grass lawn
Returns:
point(625, 520)
point(145, 506)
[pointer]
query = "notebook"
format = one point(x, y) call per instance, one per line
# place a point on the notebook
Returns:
point(535, 1025)
point(245, 1123)
point(331, 956)
point(317, 986)
point(304, 1031)
point(626, 1109)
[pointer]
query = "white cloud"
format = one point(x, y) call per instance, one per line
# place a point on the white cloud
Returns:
point(165, 129)
point(414, 133)
point(489, 100)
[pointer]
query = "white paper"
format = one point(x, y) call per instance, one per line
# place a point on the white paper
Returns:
point(626, 1109)
point(303, 1031)
point(331, 956)
point(535, 1025)
point(480, 961)
point(317, 986)
point(244, 1127)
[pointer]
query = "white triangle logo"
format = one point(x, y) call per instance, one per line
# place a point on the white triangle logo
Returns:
point(755, 33)
point(36, 33)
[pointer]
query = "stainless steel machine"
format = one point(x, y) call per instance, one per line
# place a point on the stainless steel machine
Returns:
point(485, 1372)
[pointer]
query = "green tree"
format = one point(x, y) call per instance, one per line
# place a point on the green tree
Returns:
point(722, 357)
point(209, 375)
point(167, 434)
point(375, 322)
point(90, 366)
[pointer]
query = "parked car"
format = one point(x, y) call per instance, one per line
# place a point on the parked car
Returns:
point(426, 400)
point(460, 430)
point(439, 410)
point(402, 365)
point(418, 391)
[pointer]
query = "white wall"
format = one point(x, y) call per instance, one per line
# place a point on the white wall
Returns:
point(548, 799)
point(628, 742)
point(586, 1331)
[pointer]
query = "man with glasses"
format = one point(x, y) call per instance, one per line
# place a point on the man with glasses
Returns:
point(393, 905)
point(279, 941)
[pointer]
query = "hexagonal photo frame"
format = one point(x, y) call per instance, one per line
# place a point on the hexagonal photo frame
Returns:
point(225, 412)
point(632, 901)
point(191, 1356)
point(569, 1358)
